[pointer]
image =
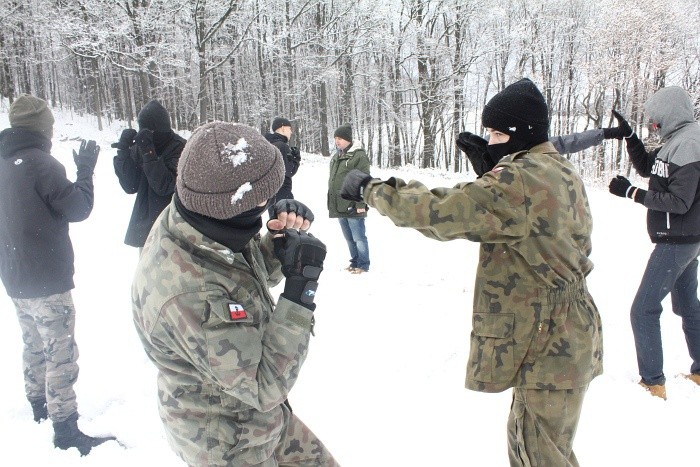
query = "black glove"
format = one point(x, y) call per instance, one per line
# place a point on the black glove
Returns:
point(301, 255)
point(290, 205)
point(354, 185)
point(623, 129)
point(475, 148)
point(294, 153)
point(620, 186)
point(86, 158)
point(144, 143)
point(126, 139)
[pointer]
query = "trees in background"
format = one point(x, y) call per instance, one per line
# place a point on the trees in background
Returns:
point(409, 75)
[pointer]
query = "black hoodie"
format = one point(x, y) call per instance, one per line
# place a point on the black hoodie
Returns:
point(37, 203)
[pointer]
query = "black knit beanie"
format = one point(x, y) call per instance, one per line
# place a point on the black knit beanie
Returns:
point(279, 122)
point(519, 111)
point(344, 132)
point(154, 117)
point(226, 169)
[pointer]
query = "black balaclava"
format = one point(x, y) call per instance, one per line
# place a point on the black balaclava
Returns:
point(233, 233)
point(153, 116)
point(519, 111)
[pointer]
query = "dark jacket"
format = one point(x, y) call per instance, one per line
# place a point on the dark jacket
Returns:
point(341, 163)
point(291, 163)
point(38, 202)
point(673, 199)
point(152, 179)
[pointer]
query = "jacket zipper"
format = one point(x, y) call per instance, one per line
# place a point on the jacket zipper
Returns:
point(668, 221)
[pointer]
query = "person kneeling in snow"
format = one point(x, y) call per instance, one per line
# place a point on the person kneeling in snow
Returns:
point(227, 355)
point(535, 327)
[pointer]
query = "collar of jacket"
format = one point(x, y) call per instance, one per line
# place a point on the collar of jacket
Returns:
point(13, 140)
point(542, 148)
point(356, 145)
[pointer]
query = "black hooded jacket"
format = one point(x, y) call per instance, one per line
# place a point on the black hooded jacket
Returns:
point(38, 202)
point(291, 164)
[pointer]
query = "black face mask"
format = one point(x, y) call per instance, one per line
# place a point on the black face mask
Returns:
point(233, 233)
point(499, 151)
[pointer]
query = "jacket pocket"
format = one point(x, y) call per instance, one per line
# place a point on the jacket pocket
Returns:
point(492, 347)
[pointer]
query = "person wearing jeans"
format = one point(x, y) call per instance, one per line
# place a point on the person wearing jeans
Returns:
point(673, 224)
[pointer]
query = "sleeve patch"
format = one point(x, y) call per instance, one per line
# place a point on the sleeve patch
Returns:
point(237, 312)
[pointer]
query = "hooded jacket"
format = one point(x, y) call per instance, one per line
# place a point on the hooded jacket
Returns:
point(673, 198)
point(341, 163)
point(291, 164)
point(534, 323)
point(151, 174)
point(38, 203)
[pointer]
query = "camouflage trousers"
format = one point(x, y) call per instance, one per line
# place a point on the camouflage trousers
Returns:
point(542, 425)
point(50, 353)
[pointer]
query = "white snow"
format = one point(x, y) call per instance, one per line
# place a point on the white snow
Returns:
point(242, 190)
point(383, 383)
point(235, 153)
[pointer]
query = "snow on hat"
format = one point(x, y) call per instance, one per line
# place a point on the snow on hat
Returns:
point(33, 114)
point(153, 116)
point(226, 169)
point(279, 122)
point(344, 132)
point(519, 111)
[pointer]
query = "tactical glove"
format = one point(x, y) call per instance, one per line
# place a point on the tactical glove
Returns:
point(475, 148)
point(623, 129)
point(144, 143)
point(126, 139)
point(301, 255)
point(86, 158)
point(289, 206)
point(354, 185)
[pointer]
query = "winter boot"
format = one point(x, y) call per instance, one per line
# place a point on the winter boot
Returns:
point(68, 435)
point(657, 390)
point(694, 377)
point(39, 409)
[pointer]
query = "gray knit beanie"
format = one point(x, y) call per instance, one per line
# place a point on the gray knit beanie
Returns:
point(226, 169)
point(33, 114)
point(344, 132)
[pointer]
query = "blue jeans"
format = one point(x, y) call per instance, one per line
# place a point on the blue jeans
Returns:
point(354, 232)
point(671, 268)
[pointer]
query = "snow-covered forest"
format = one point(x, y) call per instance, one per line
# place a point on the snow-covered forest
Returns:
point(407, 74)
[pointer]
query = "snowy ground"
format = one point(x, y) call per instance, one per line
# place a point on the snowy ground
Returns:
point(383, 383)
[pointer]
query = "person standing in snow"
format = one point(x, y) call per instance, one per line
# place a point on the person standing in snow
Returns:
point(227, 355)
point(36, 261)
point(351, 214)
point(146, 164)
point(279, 138)
point(673, 224)
point(535, 327)
point(475, 147)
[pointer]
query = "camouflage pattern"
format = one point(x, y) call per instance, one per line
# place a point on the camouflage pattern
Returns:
point(226, 362)
point(540, 433)
point(534, 323)
point(50, 354)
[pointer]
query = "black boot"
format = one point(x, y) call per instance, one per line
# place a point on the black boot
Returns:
point(39, 409)
point(68, 435)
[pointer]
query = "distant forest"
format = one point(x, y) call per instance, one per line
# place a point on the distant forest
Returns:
point(409, 75)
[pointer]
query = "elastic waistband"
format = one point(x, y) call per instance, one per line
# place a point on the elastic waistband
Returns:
point(567, 293)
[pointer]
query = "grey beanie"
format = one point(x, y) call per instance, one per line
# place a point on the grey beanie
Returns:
point(33, 114)
point(344, 132)
point(226, 169)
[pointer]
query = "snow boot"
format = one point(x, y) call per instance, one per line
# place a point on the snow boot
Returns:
point(694, 377)
point(39, 409)
point(656, 390)
point(68, 435)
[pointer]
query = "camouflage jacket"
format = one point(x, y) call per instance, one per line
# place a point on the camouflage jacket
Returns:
point(226, 362)
point(534, 324)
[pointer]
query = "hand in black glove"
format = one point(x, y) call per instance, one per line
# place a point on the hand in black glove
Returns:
point(294, 153)
point(620, 186)
point(86, 158)
point(301, 255)
point(126, 139)
point(475, 148)
point(290, 214)
point(623, 129)
point(354, 185)
point(144, 143)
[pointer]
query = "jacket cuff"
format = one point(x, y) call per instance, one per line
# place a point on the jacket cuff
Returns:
point(640, 195)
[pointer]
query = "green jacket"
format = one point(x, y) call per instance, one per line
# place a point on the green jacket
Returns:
point(342, 163)
point(534, 324)
point(225, 361)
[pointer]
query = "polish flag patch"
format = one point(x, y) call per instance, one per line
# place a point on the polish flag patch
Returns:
point(237, 311)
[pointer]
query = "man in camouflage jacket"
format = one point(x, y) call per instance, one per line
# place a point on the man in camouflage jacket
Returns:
point(535, 327)
point(227, 355)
